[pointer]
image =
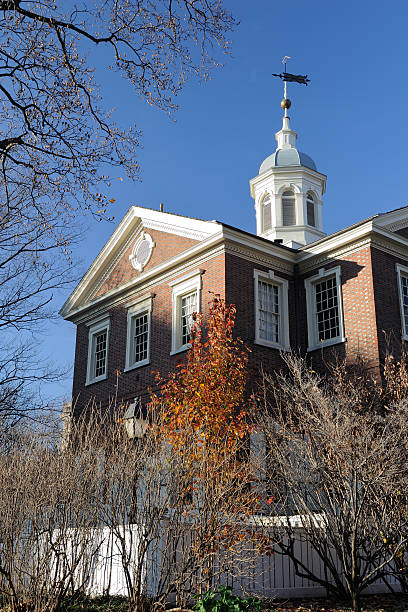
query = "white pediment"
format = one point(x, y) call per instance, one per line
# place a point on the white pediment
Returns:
point(136, 220)
point(394, 220)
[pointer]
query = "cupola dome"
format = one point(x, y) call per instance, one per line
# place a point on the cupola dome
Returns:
point(288, 192)
point(287, 157)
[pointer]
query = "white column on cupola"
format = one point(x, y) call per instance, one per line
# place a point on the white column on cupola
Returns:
point(288, 182)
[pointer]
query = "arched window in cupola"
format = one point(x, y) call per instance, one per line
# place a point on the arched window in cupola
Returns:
point(288, 208)
point(266, 213)
point(310, 205)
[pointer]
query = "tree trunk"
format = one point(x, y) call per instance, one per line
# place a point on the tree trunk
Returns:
point(355, 602)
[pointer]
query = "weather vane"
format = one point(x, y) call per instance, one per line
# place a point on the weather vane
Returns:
point(287, 77)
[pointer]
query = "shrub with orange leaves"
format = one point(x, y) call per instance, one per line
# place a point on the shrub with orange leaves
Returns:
point(205, 396)
point(205, 420)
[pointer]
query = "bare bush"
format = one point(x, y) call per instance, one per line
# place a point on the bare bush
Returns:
point(209, 534)
point(175, 532)
point(105, 512)
point(336, 457)
point(48, 515)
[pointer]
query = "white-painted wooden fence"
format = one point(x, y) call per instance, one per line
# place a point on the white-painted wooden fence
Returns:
point(268, 576)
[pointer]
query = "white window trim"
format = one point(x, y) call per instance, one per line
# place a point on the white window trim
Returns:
point(189, 283)
point(312, 330)
point(141, 306)
point(283, 286)
point(402, 271)
point(95, 327)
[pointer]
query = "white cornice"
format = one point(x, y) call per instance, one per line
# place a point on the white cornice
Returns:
point(354, 240)
point(331, 255)
point(348, 235)
point(175, 229)
point(395, 238)
point(175, 224)
point(135, 217)
point(397, 225)
point(249, 246)
point(223, 239)
point(387, 246)
point(295, 172)
point(326, 245)
point(393, 220)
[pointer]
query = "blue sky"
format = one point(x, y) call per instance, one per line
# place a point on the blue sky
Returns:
point(351, 120)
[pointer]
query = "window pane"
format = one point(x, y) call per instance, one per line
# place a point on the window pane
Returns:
point(327, 309)
point(268, 311)
point(140, 337)
point(100, 354)
point(267, 214)
point(288, 208)
point(188, 307)
point(310, 212)
point(404, 295)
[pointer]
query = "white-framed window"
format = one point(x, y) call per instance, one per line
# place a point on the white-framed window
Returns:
point(324, 308)
point(138, 334)
point(310, 209)
point(185, 302)
point(288, 208)
point(98, 345)
point(402, 275)
point(271, 310)
point(266, 211)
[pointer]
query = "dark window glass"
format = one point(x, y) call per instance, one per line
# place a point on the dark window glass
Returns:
point(327, 309)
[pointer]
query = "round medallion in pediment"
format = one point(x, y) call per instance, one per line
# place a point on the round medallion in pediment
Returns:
point(142, 251)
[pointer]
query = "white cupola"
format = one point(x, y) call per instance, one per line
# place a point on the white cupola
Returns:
point(288, 192)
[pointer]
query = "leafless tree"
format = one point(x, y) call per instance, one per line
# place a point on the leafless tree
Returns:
point(31, 270)
point(336, 455)
point(58, 140)
point(55, 136)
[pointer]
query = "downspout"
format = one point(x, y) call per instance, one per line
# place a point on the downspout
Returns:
point(297, 307)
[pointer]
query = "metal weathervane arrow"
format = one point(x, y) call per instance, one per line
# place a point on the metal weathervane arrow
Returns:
point(287, 77)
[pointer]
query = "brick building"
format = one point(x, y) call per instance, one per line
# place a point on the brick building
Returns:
point(293, 286)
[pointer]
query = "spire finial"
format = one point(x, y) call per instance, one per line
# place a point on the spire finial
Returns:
point(288, 77)
point(285, 95)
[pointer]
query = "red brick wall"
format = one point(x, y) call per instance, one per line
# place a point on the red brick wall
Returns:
point(358, 310)
point(240, 289)
point(230, 276)
point(136, 382)
point(387, 300)
point(370, 303)
point(166, 246)
point(359, 307)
